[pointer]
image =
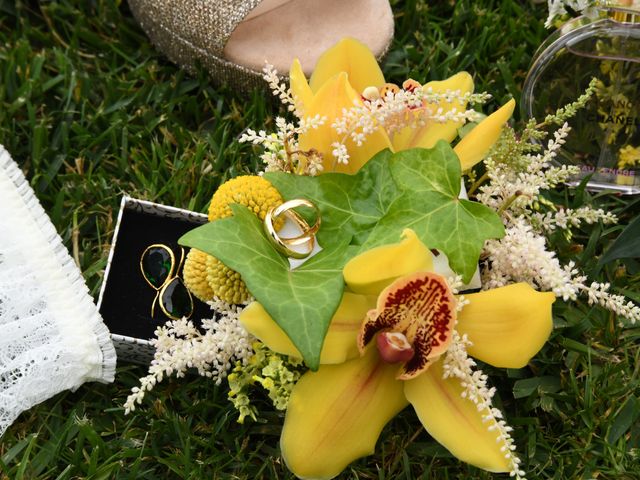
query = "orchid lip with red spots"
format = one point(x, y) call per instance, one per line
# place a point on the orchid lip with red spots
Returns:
point(422, 308)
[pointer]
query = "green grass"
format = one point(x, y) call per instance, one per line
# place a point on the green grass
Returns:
point(90, 110)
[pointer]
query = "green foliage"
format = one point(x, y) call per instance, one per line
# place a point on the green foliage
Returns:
point(429, 204)
point(302, 300)
point(627, 245)
point(275, 373)
point(350, 205)
point(415, 189)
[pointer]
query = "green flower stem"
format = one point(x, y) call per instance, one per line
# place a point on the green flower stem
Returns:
point(509, 202)
point(477, 183)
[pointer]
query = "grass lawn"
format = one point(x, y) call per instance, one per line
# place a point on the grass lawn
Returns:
point(90, 110)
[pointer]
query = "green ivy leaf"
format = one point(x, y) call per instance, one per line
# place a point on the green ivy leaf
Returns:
point(416, 189)
point(349, 204)
point(303, 300)
point(430, 205)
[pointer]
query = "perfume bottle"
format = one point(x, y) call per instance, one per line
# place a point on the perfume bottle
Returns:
point(605, 137)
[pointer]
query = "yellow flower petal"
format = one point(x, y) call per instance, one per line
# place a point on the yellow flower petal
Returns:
point(429, 134)
point(335, 95)
point(454, 421)
point(352, 57)
point(335, 415)
point(255, 319)
point(299, 86)
point(372, 271)
point(340, 343)
point(477, 143)
point(507, 325)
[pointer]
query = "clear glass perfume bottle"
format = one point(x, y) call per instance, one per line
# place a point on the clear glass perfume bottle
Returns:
point(605, 137)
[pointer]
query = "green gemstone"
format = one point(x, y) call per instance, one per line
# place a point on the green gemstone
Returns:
point(157, 265)
point(176, 299)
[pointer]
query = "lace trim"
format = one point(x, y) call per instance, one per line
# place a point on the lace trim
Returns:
point(53, 337)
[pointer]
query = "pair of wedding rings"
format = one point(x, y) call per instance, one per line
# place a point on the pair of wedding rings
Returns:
point(287, 245)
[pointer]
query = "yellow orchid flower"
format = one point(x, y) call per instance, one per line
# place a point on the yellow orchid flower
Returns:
point(382, 354)
point(346, 73)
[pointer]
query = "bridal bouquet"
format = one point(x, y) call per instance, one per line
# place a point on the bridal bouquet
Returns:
point(395, 237)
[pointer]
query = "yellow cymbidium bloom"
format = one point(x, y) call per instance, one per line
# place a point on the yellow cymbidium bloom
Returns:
point(336, 414)
point(341, 76)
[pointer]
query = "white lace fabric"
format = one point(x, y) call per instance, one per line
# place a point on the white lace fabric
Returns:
point(52, 337)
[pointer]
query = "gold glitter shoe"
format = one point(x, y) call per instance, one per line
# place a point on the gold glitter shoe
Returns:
point(234, 38)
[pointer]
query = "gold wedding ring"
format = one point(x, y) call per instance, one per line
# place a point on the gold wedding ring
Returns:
point(307, 235)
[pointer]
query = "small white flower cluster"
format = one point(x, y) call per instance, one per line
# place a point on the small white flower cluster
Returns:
point(398, 108)
point(340, 153)
point(458, 364)
point(567, 218)
point(517, 189)
point(278, 88)
point(599, 293)
point(522, 256)
point(455, 284)
point(281, 150)
point(180, 346)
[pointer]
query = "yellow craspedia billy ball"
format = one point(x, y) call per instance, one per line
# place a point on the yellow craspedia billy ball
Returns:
point(258, 195)
point(225, 283)
point(252, 191)
point(194, 274)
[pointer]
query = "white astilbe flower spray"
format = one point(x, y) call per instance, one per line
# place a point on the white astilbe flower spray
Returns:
point(455, 284)
point(568, 218)
point(598, 293)
point(180, 346)
point(406, 107)
point(281, 150)
point(522, 256)
point(392, 109)
point(513, 184)
point(458, 364)
point(517, 189)
point(278, 88)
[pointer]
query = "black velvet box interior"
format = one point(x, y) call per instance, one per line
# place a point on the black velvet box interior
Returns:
point(126, 299)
